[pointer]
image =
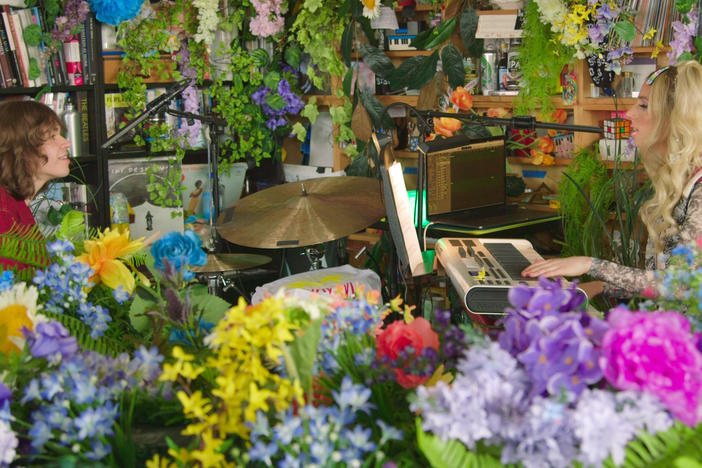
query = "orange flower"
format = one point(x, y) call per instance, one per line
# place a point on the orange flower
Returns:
point(545, 144)
point(499, 112)
point(559, 116)
point(462, 99)
point(446, 126)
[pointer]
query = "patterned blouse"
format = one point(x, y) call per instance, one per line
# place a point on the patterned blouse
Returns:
point(624, 282)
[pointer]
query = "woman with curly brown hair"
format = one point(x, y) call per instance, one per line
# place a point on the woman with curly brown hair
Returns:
point(33, 151)
point(666, 126)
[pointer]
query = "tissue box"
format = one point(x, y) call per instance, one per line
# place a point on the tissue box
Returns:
point(617, 129)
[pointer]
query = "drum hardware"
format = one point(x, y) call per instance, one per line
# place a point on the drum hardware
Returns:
point(315, 254)
point(220, 266)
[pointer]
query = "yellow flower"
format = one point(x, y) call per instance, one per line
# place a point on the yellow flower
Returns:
point(18, 308)
point(194, 406)
point(649, 35)
point(103, 254)
point(158, 462)
point(657, 49)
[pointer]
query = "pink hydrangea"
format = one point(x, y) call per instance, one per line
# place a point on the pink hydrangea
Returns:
point(657, 353)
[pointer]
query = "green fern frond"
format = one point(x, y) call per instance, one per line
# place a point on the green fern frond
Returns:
point(452, 453)
point(25, 244)
point(138, 259)
point(81, 332)
point(661, 450)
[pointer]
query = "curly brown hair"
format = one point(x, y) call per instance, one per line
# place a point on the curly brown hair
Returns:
point(24, 127)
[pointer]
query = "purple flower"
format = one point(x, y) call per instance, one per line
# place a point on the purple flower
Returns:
point(50, 340)
point(683, 34)
point(5, 394)
point(607, 13)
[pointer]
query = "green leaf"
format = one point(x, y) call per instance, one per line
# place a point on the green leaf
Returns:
point(34, 70)
point(469, 25)
point(346, 43)
point(441, 33)
point(271, 80)
point(375, 109)
point(276, 101)
point(422, 38)
point(304, 351)
point(144, 301)
point(310, 112)
point(625, 30)
point(213, 307)
point(377, 61)
point(299, 131)
point(414, 72)
point(452, 453)
point(348, 79)
point(292, 56)
point(32, 35)
point(452, 63)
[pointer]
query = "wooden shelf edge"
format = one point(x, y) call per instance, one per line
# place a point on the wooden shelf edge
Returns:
point(607, 103)
point(527, 161)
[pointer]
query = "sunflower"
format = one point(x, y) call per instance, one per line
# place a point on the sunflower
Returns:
point(371, 8)
point(103, 254)
point(18, 309)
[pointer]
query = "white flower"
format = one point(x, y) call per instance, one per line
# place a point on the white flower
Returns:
point(371, 8)
point(8, 444)
point(207, 20)
point(18, 308)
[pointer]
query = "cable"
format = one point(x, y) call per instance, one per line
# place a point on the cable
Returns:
point(424, 235)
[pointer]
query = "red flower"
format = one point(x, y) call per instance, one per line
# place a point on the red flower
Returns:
point(399, 335)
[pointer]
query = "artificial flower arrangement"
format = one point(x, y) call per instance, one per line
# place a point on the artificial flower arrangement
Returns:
point(600, 30)
point(563, 388)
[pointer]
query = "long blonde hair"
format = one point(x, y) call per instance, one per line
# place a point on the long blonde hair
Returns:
point(675, 104)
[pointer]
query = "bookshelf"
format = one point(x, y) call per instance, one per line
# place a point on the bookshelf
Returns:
point(90, 168)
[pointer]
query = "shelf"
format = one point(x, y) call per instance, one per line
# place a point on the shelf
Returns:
point(483, 102)
point(607, 103)
point(527, 162)
point(420, 7)
point(37, 89)
point(405, 154)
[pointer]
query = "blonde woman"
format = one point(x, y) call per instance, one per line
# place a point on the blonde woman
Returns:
point(666, 126)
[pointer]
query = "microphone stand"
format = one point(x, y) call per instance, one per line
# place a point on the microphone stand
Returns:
point(524, 122)
point(214, 127)
point(152, 108)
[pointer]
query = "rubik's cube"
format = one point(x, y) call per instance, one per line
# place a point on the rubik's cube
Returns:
point(617, 128)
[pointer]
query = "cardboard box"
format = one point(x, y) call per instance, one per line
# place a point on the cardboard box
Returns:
point(113, 63)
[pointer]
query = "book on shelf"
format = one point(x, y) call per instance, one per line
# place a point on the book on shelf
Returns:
point(115, 109)
point(35, 61)
point(10, 57)
point(73, 63)
point(16, 44)
point(82, 106)
point(7, 78)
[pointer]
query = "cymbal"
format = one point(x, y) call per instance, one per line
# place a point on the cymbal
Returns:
point(307, 212)
point(217, 262)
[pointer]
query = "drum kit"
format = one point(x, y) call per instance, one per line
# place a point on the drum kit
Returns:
point(305, 214)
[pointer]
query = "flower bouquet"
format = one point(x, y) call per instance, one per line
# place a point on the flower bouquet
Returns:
point(564, 388)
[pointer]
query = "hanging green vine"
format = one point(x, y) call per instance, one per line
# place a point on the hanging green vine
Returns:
point(542, 57)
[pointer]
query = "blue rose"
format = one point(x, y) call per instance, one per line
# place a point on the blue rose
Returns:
point(115, 11)
point(51, 340)
point(180, 251)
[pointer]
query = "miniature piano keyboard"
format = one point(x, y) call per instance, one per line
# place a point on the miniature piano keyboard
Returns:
point(483, 270)
point(401, 42)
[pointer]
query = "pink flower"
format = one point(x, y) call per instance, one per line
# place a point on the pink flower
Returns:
point(699, 242)
point(657, 353)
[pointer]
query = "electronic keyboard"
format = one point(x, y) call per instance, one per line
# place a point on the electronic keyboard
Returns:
point(483, 270)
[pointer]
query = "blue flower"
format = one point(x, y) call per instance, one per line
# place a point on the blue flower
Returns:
point(180, 251)
point(115, 11)
point(59, 247)
point(120, 295)
point(6, 280)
